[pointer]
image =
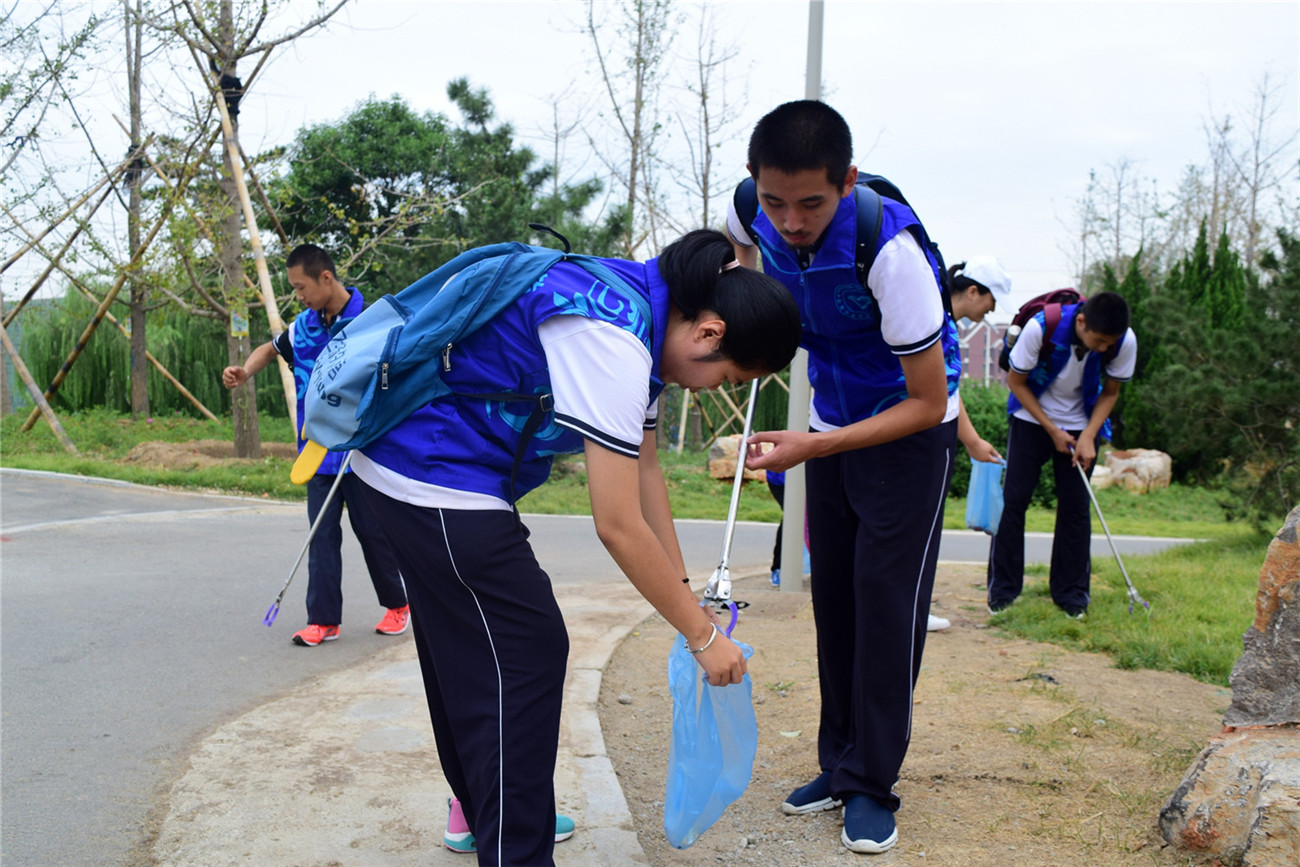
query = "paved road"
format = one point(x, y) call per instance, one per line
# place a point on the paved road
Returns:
point(132, 625)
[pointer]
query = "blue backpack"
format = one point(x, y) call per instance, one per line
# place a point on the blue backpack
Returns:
point(386, 363)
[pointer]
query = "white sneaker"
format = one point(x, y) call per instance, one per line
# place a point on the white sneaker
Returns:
point(936, 623)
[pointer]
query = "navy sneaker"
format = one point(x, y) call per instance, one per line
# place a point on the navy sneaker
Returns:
point(998, 607)
point(868, 826)
point(1074, 612)
point(812, 798)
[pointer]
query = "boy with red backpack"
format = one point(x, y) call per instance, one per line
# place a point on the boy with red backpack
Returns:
point(1066, 368)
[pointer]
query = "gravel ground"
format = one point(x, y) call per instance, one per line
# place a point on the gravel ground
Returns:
point(1021, 753)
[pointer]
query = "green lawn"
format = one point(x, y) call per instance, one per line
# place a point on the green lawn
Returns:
point(1201, 596)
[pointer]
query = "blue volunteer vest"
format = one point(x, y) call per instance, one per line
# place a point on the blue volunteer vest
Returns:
point(310, 335)
point(1048, 369)
point(467, 443)
point(853, 372)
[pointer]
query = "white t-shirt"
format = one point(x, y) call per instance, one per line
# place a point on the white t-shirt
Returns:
point(600, 380)
point(1062, 400)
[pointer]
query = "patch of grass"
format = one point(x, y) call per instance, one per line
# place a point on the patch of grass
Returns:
point(1202, 599)
point(1176, 511)
point(109, 435)
point(104, 439)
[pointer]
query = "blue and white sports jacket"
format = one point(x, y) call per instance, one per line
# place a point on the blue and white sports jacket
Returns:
point(468, 444)
point(855, 374)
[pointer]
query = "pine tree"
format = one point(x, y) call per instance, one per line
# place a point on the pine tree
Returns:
point(1226, 288)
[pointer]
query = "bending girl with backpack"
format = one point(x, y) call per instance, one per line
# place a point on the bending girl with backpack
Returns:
point(491, 639)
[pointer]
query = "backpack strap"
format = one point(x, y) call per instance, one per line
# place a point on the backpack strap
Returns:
point(542, 404)
point(870, 216)
point(1051, 321)
point(745, 200)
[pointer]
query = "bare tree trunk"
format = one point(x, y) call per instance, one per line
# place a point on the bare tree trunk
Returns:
point(243, 400)
point(694, 427)
point(135, 177)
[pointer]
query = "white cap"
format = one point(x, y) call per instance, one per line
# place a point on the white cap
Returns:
point(989, 273)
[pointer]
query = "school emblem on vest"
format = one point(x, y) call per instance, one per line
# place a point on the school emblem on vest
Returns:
point(853, 302)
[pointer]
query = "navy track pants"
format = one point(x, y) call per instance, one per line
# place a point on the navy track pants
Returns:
point(493, 649)
point(1070, 581)
point(874, 522)
point(325, 557)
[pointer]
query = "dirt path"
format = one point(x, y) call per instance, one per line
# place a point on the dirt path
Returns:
point(1021, 753)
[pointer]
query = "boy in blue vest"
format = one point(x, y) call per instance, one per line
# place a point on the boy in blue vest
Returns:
point(884, 364)
point(1063, 387)
point(312, 276)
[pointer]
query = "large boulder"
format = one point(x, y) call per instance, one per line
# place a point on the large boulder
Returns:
point(1139, 470)
point(1102, 478)
point(1266, 679)
point(1240, 802)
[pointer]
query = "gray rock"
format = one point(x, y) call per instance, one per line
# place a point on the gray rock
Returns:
point(1266, 679)
point(1240, 802)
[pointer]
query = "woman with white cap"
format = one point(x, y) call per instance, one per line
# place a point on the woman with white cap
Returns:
point(977, 285)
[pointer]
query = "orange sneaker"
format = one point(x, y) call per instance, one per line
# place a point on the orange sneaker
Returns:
point(314, 634)
point(395, 621)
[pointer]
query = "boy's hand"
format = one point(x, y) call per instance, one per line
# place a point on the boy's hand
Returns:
point(1085, 451)
point(779, 450)
point(233, 377)
point(1062, 439)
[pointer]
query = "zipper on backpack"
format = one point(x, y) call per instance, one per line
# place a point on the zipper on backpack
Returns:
point(446, 358)
point(383, 377)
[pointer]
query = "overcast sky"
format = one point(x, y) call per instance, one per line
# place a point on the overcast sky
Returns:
point(989, 116)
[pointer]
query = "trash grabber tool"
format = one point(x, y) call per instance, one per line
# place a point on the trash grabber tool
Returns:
point(718, 590)
point(1133, 595)
point(311, 534)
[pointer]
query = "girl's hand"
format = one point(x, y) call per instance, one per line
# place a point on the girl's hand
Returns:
point(982, 450)
point(723, 663)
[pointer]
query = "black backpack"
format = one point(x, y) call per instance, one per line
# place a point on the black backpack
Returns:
point(868, 191)
point(1050, 303)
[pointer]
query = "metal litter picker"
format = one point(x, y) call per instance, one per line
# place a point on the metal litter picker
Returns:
point(1133, 595)
point(304, 474)
point(718, 590)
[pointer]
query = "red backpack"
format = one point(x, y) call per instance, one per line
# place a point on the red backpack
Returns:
point(1050, 303)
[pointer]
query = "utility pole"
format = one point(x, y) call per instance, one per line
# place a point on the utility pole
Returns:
point(800, 393)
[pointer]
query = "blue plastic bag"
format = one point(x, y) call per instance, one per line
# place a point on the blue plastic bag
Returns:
point(711, 758)
point(984, 497)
